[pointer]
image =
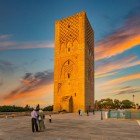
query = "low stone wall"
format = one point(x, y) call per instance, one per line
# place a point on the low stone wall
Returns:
point(18, 114)
point(13, 114)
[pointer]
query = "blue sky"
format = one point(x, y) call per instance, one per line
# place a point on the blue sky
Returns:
point(27, 46)
point(33, 20)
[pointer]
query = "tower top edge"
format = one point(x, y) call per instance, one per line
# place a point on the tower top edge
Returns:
point(82, 13)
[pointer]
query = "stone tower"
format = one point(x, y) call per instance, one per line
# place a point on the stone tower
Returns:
point(74, 64)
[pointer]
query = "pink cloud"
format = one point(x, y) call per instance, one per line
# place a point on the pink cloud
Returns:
point(11, 45)
point(5, 36)
point(119, 81)
point(125, 38)
point(112, 67)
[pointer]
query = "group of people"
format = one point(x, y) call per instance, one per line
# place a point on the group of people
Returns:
point(37, 120)
point(80, 112)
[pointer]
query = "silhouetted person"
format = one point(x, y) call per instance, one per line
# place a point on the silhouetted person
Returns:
point(79, 112)
point(93, 111)
point(34, 116)
point(38, 107)
point(50, 118)
point(37, 111)
point(101, 115)
point(87, 113)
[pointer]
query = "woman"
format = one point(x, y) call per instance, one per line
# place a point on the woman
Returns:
point(41, 118)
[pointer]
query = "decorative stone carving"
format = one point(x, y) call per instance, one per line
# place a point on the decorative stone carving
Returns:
point(74, 84)
point(67, 70)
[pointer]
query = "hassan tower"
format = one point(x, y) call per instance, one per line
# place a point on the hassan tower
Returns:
point(74, 64)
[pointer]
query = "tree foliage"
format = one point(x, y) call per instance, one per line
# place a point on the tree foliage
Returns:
point(113, 104)
point(8, 108)
point(13, 108)
point(127, 104)
point(48, 108)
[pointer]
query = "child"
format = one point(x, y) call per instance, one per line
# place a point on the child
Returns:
point(50, 118)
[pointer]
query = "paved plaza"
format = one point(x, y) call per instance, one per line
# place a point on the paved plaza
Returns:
point(71, 127)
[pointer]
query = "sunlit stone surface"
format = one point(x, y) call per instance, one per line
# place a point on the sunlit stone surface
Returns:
point(74, 65)
point(71, 127)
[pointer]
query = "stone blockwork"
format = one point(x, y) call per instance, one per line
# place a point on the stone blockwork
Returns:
point(74, 64)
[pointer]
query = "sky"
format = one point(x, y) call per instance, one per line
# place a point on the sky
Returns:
point(27, 48)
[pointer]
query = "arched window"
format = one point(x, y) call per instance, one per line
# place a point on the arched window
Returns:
point(62, 48)
point(75, 45)
point(68, 75)
point(69, 45)
point(68, 69)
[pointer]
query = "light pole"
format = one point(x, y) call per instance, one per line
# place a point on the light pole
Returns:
point(133, 97)
point(101, 115)
point(101, 112)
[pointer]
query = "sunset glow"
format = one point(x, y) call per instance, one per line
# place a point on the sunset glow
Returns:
point(27, 48)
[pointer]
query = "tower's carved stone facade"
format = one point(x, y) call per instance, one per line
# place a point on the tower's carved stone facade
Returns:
point(74, 64)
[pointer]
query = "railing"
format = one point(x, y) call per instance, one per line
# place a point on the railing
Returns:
point(124, 114)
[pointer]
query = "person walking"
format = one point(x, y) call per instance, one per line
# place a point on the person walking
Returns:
point(34, 121)
point(87, 113)
point(79, 112)
point(50, 118)
point(93, 111)
point(41, 118)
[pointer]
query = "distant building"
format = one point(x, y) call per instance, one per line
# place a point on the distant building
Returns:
point(74, 64)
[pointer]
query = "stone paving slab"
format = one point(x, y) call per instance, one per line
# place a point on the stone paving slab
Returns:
point(71, 127)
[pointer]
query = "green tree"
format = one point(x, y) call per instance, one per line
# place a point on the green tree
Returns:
point(127, 104)
point(113, 104)
point(27, 108)
point(117, 103)
point(13, 108)
point(108, 103)
point(48, 108)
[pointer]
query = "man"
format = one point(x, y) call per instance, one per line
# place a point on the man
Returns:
point(93, 111)
point(87, 113)
point(34, 116)
point(79, 112)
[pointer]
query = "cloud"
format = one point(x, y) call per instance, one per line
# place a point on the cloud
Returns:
point(40, 96)
point(7, 44)
point(125, 38)
point(126, 90)
point(5, 63)
point(29, 45)
point(31, 82)
point(1, 81)
point(7, 67)
point(118, 81)
point(110, 67)
point(5, 36)
point(102, 75)
point(12, 45)
point(33, 61)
